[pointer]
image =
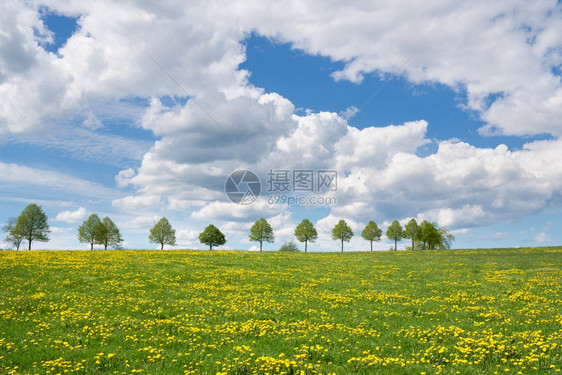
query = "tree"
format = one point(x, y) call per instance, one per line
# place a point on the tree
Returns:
point(371, 233)
point(342, 232)
point(163, 233)
point(411, 231)
point(395, 232)
point(14, 236)
point(261, 231)
point(108, 234)
point(32, 225)
point(429, 234)
point(447, 238)
point(305, 232)
point(90, 230)
point(212, 236)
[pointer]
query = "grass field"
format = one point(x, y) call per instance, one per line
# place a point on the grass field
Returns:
point(175, 312)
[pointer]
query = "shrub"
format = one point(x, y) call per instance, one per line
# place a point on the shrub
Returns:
point(289, 247)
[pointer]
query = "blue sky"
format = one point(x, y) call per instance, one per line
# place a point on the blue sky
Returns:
point(458, 124)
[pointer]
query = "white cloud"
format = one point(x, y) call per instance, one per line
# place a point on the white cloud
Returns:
point(135, 203)
point(15, 176)
point(499, 55)
point(542, 237)
point(142, 222)
point(495, 236)
point(71, 216)
point(507, 47)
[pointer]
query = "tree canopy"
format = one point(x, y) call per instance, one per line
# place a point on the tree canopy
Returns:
point(395, 232)
point(14, 236)
point(109, 234)
point(342, 232)
point(162, 233)
point(429, 235)
point(261, 231)
point(90, 230)
point(371, 233)
point(212, 236)
point(305, 232)
point(32, 225)
point(411, 231)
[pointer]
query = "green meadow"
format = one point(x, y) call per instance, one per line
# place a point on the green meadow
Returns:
point(218, 312)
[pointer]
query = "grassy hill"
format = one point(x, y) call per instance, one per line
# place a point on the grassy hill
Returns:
point(192, 312)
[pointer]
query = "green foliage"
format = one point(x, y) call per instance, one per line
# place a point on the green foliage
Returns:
point(305, 232)
point(371, 233)
point(411, 231)
point(446, 238)
point(14, 236)
point(109, 234)
point(342, 232)
point(429, 235)
point(90, 230)
point(32, 225)
point(162, 233)
point(212, 236)
point(261, 231)
point(290, 247)
point(395, 232)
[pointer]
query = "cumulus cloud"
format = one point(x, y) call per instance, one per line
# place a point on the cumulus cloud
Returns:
point(183, 61)
point(71, 216)
point(507, 49)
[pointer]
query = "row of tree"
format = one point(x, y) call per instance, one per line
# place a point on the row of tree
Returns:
point(32, 225)
point(425, 234)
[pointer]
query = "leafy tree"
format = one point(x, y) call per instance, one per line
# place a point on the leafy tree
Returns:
point(371, 233)
point(305, 232)
point(32, 225)
point(424, 229)
point(108, 234)
point(342, 232)
point(90, 230)
point(447, 238)
point(411, 231)
point(212, 236)
point(395, 232)
point(14, 236)
point(429, 234)
point(261, 231)
point(163, 233)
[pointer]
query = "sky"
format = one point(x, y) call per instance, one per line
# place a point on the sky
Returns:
point(444, 111)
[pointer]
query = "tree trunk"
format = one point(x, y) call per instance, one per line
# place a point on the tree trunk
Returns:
point(305, 243)
point(261, 245)
point(91, 246)
point(371, 245)
point(162, 247)
point(210, 247)
point(395, 242)
point(342, 245)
